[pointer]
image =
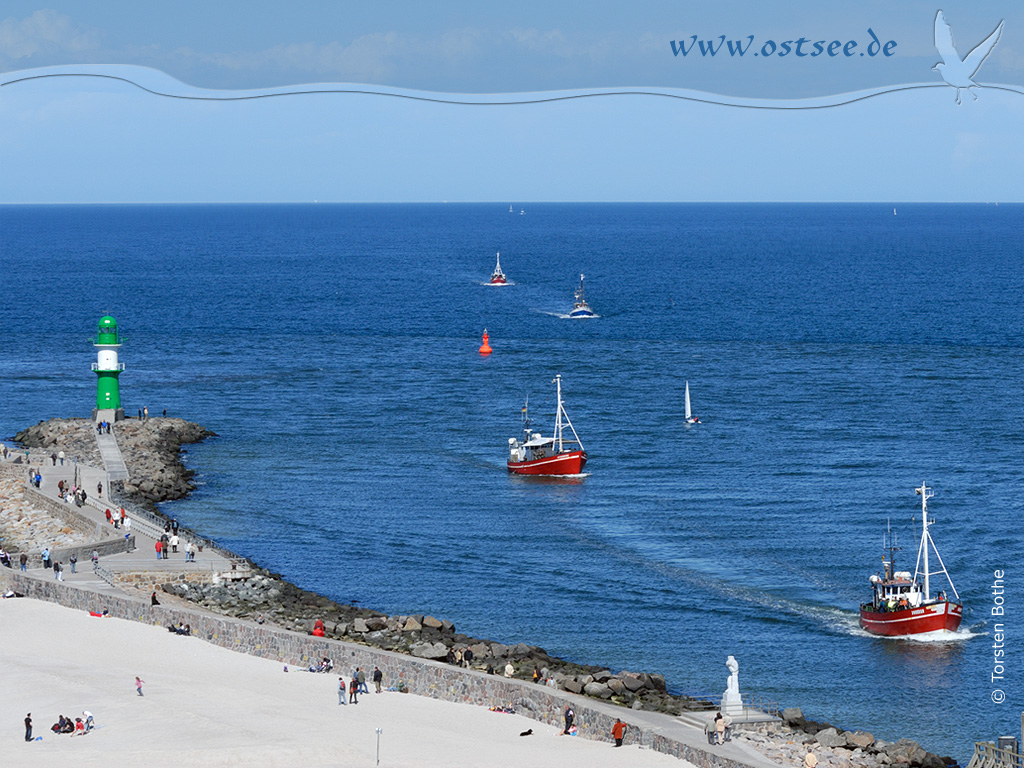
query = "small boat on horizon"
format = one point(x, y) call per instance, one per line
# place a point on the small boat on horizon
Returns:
point(538, 455)
point(497, 276)
point(901, 605)
point(511, 209)
point(580, 308)
point(690, 418)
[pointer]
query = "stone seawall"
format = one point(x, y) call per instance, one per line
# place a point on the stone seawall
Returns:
point(425, 678)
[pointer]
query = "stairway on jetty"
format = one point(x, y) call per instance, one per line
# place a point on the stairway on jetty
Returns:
point(113, 461)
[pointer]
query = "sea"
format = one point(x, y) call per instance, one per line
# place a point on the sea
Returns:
point(838, 357)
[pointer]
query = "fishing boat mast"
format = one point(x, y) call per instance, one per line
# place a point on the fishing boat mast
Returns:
point(926, 539)
point(559, 414)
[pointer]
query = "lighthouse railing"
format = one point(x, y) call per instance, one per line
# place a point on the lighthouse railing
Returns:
point(118, 367)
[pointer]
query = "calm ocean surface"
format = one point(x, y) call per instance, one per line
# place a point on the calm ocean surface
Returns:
point(838, 355)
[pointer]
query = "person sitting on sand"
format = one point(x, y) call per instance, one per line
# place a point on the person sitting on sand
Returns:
point(79, 727)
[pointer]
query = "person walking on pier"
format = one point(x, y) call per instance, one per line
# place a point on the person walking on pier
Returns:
point(361, 677)
point(353, 691)
point(53, 459)
point(24, 561)
point(159, 546)
point(138, 684)
point(28, 727)
point(570, 715)
point(74, 562)
point(174, 543)
point(61, 457)
point(46, 558)
point(341, 691)
point(378, 677)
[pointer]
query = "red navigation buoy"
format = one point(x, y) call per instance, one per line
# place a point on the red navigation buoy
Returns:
point(485, 348)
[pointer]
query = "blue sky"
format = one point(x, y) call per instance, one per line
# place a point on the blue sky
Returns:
point(86, 140)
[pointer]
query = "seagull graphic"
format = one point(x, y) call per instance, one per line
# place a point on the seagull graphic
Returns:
point(956, 72)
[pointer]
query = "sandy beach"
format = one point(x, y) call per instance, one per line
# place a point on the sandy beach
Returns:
point(204, 705)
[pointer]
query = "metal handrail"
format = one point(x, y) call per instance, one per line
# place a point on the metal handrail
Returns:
point(710, 702)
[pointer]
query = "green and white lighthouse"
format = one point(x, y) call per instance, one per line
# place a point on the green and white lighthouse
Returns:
point(107, 342)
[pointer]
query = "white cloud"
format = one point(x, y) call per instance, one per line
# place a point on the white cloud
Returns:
point(44, 32)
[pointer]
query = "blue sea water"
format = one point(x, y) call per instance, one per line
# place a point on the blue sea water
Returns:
point(838, 356)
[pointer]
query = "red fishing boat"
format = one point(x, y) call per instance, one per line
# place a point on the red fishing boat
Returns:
point(902, 605)
point(497, 276)
point(537, 455)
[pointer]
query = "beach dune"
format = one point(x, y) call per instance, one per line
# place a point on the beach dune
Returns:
point(205, 705)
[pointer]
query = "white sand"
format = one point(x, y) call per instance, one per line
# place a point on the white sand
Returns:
point(208, 706)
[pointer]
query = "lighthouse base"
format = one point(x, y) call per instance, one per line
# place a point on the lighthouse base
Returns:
point(107, 414)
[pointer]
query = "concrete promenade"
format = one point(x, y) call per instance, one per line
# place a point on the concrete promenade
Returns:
point(85, 590)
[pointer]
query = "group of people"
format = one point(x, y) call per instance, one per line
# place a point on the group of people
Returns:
point(119, 517)
point(460, 657)
point(717, 729)
point(55, 456)
point(181, 629)
point(357, 685)
point(324, 665)
point(77, 727)
point(103, 427)
point(68, 493)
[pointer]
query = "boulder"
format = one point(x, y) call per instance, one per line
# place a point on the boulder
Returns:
point(572, 686)
point(498, 650)
point(597, 690)
point(603, 676)
point(480, 650)
point(793, 716)
point(412, 625)
point(632, 683)
point(831, 738)
point(447, 626)
point(658, 681)
point(430, 621)
point(519, 651)
point(861, 739)
point(376, 622)
point(429, 650)
point(584, 679)
point(617, 686)
point(359, 626)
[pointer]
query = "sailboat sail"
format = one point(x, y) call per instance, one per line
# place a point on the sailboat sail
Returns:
point(688, 414)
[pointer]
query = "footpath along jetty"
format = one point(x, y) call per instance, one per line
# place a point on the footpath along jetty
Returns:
point(220, 595)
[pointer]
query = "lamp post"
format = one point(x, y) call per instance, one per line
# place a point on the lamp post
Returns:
point(379, 732)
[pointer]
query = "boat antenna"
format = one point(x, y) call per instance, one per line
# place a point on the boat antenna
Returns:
point(926, 539)
point(558, 411)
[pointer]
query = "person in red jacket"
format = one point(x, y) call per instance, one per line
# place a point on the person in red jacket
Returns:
point(618, 732)
point(159, 548)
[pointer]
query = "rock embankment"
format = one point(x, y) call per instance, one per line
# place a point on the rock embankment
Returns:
point(24, 528)
point(275, 600)
point(151, 449)
point(836, 748)
point(76, 437)
point(152, 452)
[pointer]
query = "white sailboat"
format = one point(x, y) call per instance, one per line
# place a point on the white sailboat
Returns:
point(690, 418)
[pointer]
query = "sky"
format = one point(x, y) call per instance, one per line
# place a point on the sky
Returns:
point(90, 139)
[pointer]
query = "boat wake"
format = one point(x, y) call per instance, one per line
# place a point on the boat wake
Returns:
point(497, 285)
point(564, 316)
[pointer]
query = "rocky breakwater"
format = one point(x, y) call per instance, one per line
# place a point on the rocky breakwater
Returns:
point(152, 452)
point(836, 748)
point(268, 597)
point(76, 437)
point(151, 449)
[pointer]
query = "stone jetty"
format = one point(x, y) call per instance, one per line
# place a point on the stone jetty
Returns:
point(152, 453)
point(151, 449)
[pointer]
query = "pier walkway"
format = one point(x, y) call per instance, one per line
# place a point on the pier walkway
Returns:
point(97, 589)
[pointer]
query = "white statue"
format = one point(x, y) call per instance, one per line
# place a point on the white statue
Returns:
point(732, 701)
point(733, 684)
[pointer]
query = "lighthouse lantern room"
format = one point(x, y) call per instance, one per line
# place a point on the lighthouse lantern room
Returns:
point(107, 368)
